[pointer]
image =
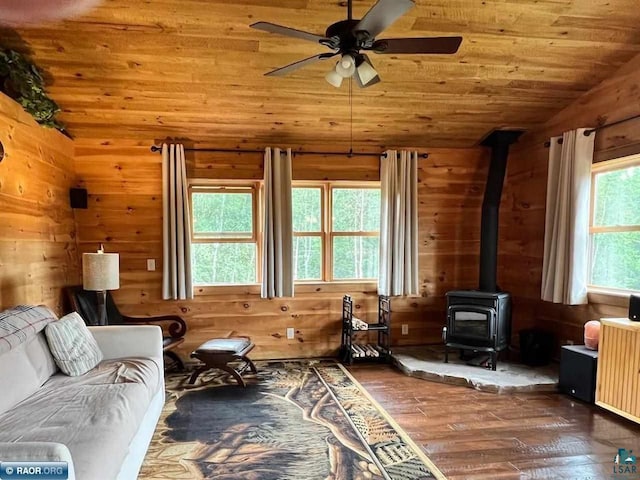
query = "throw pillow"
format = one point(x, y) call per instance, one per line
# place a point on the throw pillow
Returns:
point(72, 345)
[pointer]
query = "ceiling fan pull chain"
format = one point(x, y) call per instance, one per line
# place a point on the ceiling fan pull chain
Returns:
point(351, 113)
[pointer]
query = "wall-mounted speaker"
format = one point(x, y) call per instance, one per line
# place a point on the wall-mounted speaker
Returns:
point(634, 308)
point(78, 198)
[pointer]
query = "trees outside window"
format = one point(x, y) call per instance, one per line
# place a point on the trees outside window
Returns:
point(308, 225)
point(615, 225)
point(336, 231)
point(355, 217)
point(224, 235)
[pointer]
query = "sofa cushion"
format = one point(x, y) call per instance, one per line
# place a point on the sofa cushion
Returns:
point(95, 415)
point(142, 371)
point(224, 345)
point(23, 370)
point(72, 345)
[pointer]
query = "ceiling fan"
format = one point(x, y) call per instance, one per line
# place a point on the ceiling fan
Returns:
point(349, 37)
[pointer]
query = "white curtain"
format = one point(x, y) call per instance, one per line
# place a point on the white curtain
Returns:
point(399, 224)
point(176, 221)
point(566, 232)
point(277, 256)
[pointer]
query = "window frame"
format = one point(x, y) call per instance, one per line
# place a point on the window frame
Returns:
point(327, 234)
point(596, 169)
point(240, 186)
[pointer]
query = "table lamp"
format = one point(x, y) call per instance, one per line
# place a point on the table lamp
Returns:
point(101, 272)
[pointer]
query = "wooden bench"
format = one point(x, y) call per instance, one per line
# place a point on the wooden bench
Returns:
point(220, 352)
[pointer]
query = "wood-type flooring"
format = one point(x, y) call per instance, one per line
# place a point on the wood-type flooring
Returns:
point(472, 435)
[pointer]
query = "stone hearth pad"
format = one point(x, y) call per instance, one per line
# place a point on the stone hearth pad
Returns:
point(427, 362)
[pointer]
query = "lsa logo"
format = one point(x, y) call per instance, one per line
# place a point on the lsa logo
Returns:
point(625, 462)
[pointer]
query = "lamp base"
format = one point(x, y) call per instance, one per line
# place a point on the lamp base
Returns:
point(102, 307)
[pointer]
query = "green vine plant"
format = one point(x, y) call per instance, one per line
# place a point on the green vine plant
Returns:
point(22, 81)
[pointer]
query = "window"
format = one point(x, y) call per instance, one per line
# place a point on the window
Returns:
point(355, 218)
point(224, 234)
point(615, 225)
point(308, 228)
point(336, 231)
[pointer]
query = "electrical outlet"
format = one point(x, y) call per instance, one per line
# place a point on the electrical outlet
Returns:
point(151, 264)
point(405, 329)
point(291, 332)
point(570, 342)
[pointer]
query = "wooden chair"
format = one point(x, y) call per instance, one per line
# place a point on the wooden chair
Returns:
point(86, 304)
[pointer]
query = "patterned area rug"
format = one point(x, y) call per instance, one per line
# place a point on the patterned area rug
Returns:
point(295, 420)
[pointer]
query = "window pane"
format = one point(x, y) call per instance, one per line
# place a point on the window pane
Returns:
point(221, 215)
point(356, 209)
point(307, 210)
point(355, 257)
point(616, 197)
point(616, 260)
point(230, 263)
point(307, 256)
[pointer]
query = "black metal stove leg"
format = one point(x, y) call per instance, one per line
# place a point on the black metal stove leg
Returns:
point(446, 354)
point(494, 360)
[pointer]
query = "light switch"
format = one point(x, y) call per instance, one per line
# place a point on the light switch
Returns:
point(151, 264)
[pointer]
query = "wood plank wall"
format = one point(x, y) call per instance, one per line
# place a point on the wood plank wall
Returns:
point(38, 253)
point(124, 183)
point(523, 203)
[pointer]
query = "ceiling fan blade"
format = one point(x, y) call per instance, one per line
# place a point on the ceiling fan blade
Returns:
point(382, 15)
point(278, 72)
point(446, 45)
point(289, 32)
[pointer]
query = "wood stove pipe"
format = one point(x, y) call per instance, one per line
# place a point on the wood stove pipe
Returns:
point(499, 141)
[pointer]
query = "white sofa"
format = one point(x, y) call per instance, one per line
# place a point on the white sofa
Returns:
point(102, 422)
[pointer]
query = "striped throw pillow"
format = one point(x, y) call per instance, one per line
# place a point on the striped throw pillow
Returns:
point(22, 323)
point(72, 345)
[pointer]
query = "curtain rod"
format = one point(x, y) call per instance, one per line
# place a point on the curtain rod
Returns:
point(158, 149)
point(602, 127)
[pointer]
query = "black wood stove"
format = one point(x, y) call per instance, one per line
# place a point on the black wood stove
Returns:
point(480, 320)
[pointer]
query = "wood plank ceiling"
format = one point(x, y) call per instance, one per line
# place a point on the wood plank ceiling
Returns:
point(138, 71)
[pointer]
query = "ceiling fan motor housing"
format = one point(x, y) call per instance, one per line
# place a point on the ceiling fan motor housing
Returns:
point(350, 40)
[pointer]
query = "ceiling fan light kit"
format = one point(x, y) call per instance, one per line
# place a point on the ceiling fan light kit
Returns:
point(346, 67)
point(365, 72)
point(348, 37)
point(333, 78)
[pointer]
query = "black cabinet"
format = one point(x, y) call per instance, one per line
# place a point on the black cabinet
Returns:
point(578, 367)
point(350, 348)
